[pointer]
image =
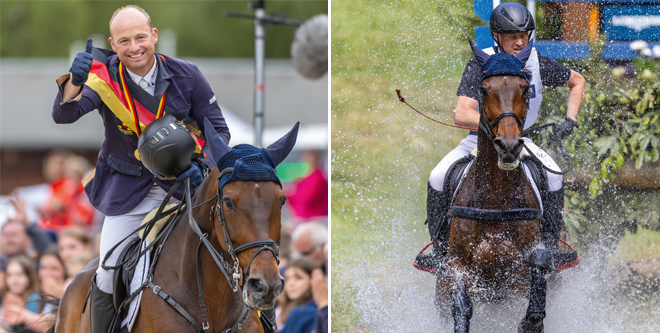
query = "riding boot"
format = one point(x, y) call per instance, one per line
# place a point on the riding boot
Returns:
point(437, 204)
point(102, 310)
point(553, 222)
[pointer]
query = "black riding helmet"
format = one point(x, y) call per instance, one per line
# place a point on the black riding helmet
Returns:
point(166, 147)
point(511, 17)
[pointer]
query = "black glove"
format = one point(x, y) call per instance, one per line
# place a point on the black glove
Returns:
point(81, 65)
point(195, 172)
point(563, 130)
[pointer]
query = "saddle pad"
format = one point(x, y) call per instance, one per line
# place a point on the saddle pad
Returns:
point(139, 277)
point(159, 224)
point(459, 170)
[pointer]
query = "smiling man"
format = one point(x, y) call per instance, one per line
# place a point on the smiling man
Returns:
point(511, 25)
point(131, 86)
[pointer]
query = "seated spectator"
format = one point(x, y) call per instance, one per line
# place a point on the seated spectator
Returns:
point(14, 240)
point(39, 240)
point(308, 239)
point(309, 197)
point(68, 204)
point(52, 273)
point(320, 295)
point(298, 310)
point(22, 305)
point(77, 263)
point(72, 241)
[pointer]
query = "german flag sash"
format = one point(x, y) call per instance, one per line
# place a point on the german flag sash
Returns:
point(134, 107)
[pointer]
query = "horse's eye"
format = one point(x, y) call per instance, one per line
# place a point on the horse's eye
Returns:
point(229, 202)
point(525, 90)
point(282, 201)
point(484, 92)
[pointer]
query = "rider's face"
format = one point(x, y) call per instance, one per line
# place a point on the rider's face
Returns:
point(512, 43)
point(134, 40)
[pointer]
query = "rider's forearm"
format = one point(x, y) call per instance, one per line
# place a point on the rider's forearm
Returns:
point(577, 86)
point(466, 117)
point(70, 91)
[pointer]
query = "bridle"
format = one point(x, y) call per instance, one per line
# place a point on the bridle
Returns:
point(225, 267)
point(489, 124)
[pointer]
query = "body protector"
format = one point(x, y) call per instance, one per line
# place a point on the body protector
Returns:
point(166, 147)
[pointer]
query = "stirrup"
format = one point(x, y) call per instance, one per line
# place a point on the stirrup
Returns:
point(564, 260)
point(433, 262)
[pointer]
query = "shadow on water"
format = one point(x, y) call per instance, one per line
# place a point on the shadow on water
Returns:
point(595, 296)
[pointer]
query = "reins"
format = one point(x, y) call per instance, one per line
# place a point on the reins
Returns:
point(491, 136)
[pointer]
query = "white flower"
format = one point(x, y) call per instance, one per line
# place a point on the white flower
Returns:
point(638, 45)
point(646, 52)
point(618, 71)
point(647, 74)
point(656, 51)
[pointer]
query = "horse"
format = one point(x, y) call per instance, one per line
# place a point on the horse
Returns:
point(226, 283)
point(495, 248)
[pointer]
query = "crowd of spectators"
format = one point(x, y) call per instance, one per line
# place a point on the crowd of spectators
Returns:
point(53, 233)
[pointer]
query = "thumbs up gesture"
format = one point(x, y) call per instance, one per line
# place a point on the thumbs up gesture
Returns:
point(81, 65)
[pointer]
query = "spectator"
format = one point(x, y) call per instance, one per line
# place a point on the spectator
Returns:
point(77, 263)
point(52, 273)
point(68, 204)
point(22, 305)
point(39, 240)
point(309, 239)
point(309, 198)
point(72, 241)
point(14, 239)
point(320, 295)
point(298, 310)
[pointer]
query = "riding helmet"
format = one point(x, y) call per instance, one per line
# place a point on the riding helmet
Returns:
point(166, 147)
point(511, 17)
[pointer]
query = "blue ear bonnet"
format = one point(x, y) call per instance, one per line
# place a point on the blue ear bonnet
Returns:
point(503, 64)
point(249, 163)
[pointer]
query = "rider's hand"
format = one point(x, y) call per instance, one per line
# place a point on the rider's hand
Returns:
point(195, 172)
point(81, 65)
point(563, 130)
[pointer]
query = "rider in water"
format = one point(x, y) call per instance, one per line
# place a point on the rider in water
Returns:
point(511, 25)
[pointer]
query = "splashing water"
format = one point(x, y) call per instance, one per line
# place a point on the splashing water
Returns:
point(391, 296)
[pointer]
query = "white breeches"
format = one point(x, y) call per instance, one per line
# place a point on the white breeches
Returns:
point(115, 228)
point(467, 145)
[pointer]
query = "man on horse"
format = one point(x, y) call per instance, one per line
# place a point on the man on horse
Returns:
point(131, 87)
point(511, 25)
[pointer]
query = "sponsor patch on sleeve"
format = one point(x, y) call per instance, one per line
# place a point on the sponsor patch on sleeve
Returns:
point(212, 100)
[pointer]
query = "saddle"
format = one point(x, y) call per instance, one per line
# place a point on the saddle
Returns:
point(457, 172)
point(124, 275)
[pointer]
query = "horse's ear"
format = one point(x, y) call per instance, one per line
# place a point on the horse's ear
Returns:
point(218, 146)
point(523, 55)
point(479, 53)
point(281, 148)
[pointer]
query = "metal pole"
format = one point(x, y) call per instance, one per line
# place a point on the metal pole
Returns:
point(259, 45)
point(260, 19)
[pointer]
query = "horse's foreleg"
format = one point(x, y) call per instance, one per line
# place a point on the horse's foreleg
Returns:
point(461, 308)
point(540, 263)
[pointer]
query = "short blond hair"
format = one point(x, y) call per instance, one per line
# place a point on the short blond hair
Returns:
point(134, 7)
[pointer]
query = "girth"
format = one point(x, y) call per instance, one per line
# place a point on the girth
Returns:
point(480, 214)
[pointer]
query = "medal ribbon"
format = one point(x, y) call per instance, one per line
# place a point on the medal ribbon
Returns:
point(131, 105)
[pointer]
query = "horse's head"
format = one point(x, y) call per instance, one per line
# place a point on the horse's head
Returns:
point(248, 217)
point(504, 90)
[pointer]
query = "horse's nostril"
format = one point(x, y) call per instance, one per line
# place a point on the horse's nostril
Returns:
point(257, 287)
point(499, 145)
point(279, 286)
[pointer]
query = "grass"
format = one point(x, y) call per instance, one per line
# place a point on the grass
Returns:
point(642, 245)
point(383, 152)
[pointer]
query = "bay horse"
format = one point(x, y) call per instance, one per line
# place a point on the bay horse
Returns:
point(221, 286)
point(495, 248)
